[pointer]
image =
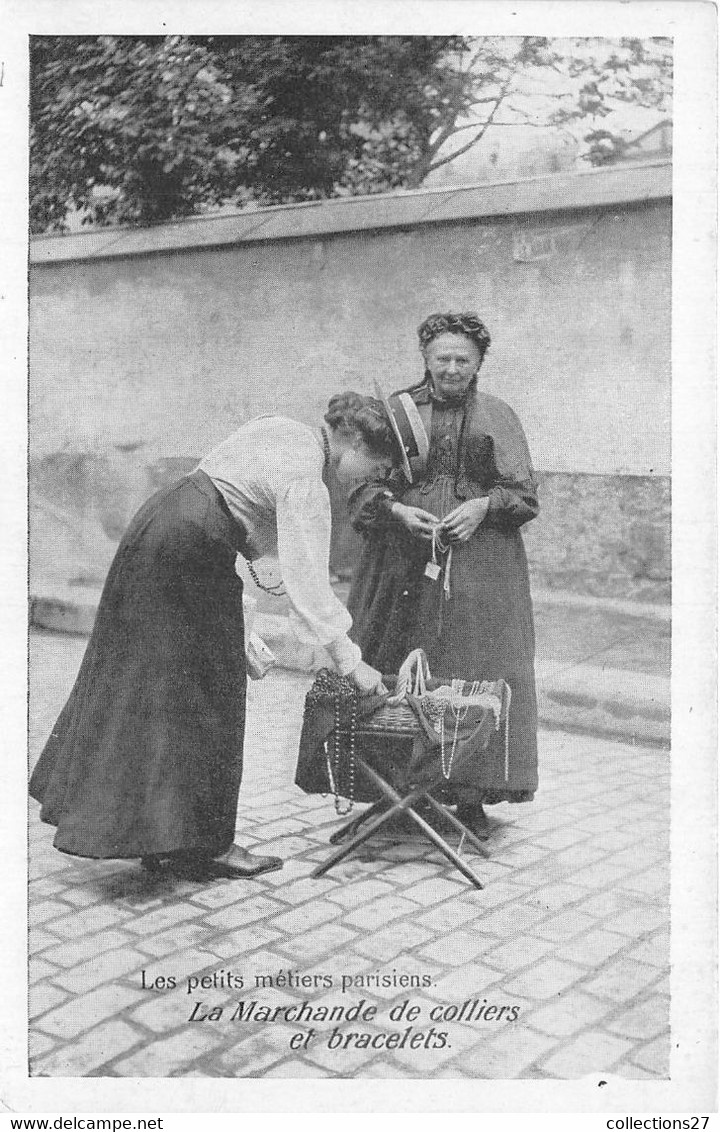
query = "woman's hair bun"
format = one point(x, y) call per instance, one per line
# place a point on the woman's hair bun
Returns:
point(366, 416)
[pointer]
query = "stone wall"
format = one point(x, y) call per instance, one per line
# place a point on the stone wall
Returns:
point(143, 360)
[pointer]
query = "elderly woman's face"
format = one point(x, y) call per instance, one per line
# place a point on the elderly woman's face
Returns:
point(453, 360)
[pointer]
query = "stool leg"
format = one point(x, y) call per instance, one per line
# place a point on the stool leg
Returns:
point(399, 805)
point(428, 830)
point(351, 826)
point(458, 825)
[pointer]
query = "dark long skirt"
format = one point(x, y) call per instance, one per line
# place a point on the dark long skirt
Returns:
point(484, 631)
point(146, 756)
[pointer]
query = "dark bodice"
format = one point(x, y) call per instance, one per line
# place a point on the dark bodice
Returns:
point(445, 434)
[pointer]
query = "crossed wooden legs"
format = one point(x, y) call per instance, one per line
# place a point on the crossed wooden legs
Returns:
point(391, 804)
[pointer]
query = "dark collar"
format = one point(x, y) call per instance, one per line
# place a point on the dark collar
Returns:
point(423, 395)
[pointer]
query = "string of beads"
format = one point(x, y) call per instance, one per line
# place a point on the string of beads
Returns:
point(331, 688)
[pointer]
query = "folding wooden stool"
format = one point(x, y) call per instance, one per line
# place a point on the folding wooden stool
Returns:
point(400, 794)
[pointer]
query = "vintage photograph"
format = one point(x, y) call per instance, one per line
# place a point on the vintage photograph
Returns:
point(350, 556)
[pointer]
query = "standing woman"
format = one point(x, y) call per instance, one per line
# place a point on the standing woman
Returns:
point(468, 477)
point(146, 758)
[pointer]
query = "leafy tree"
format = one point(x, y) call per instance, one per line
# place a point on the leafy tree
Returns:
point(138, 129)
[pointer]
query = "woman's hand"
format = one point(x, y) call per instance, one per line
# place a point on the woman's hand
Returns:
point(417, 521)
point(367, 680)
point(464, 520)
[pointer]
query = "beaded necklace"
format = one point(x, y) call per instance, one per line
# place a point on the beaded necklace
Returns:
point(278, 589)
point(435, 706)
point(343, 694)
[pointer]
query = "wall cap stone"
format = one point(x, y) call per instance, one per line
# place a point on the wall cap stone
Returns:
point(616, 185)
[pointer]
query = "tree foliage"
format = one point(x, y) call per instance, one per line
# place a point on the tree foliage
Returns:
point(138, 129)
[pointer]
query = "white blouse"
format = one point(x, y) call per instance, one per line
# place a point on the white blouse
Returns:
point(270, 474)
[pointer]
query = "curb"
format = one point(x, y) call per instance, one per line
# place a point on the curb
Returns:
point(623, 705)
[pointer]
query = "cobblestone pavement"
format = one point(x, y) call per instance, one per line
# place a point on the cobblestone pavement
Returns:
point(572, 929)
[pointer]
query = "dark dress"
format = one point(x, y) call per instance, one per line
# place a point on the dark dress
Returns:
point(146, 756)
point(484, 629)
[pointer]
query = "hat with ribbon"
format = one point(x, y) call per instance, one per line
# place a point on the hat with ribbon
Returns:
point(409, 431)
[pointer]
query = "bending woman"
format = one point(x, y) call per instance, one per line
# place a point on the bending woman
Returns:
point(146, 757)
point(469, 477)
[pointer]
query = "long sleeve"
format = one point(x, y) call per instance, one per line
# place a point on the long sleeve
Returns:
point(513, 497)
point(303, 530)
point(370, 504)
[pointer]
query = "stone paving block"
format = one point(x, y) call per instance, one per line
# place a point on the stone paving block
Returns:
point(594, 1052)
point(182, 938)
point(352, 964)
point(43, 998)
point(222, 893)
point(610, 902)
point(445, 917)
point(46, 911)
point(193, 961)
point(622, 980)
point(480, 1061)
point(304, 890)
point(512, 919)
point(359, 893)
point(343, 1062)
point(81, 1012)
point(654, 1057)
point(251, 1057)
point(546, 979)
point(294, 1068)
point(245, 912)
point(517, 953)
point(77, 924)
point(163, 1011)
point(397, 938)
point(45, 888)
point(294, 868)
point(643, 1020)
point(434, 890)
point(654, 882)
point(306, 917)
point(163, 1058)
point(38, 1045)
point(425, 1061)
point(592, 948)
point(283, 827)
point(653, 949)
point(167, 916)
point(39, 940)
point(585, 853)
point(385, 1070)
point(311, 946)
point(104, 968)
point(639, 919)
point(600, 874)
point(39, 970)
point(81, 897)
point(76, 951)
point(285, 847)
point(521, 1046)
point(380, 911)
point(242, 943)
point(557, 897)
point(572, 1012)
point(561, 838)
point(473, 980)
point(89, 1052)
point(457, 948)
point(496, 892)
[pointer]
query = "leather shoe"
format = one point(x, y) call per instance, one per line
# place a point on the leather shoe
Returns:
point(239, 863)
point(475, 820)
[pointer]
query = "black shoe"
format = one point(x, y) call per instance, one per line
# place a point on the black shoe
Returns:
point(474, 818)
